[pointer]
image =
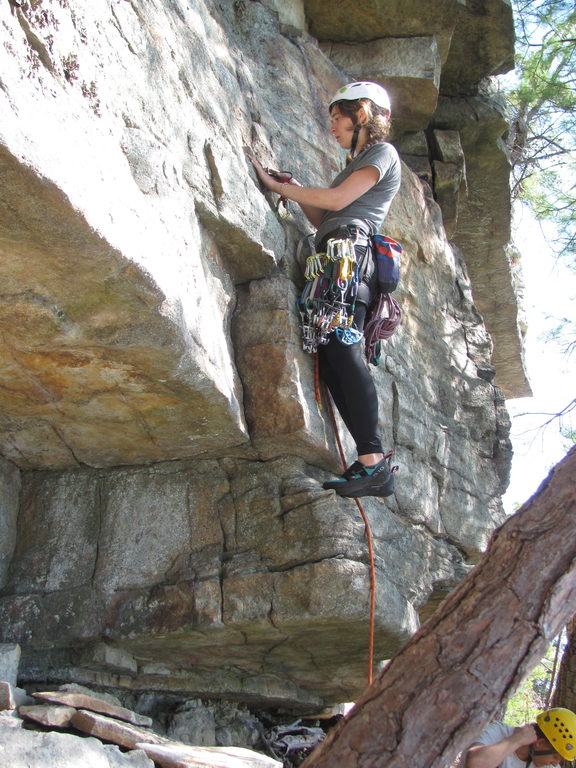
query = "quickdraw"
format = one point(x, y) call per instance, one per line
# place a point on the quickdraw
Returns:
point(314, 266)
point(283, 204)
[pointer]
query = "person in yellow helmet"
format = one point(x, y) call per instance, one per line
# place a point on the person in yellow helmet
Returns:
point(548, 741)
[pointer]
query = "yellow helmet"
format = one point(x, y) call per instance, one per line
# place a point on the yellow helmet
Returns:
point(559, 726)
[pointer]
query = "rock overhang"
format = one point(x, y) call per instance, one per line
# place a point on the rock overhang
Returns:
point(150, 240)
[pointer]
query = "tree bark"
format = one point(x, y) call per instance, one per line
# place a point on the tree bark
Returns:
point(441, 689)
point(565, 693)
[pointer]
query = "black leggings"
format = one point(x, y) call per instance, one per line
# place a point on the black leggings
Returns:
point(345, 372)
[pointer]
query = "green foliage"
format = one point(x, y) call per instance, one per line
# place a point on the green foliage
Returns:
point(534, 695)
point(569, 436)
point(552, 197)
point(542, 137)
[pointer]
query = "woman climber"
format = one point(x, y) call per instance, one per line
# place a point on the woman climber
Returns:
point(346, 215)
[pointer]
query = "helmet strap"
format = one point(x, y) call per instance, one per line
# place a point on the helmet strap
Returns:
point(357, 129)
point(534, 751)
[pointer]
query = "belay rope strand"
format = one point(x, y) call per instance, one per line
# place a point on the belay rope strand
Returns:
point(318, 388)
point(368, 539)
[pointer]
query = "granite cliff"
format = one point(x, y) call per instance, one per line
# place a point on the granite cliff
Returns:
point(163, 522)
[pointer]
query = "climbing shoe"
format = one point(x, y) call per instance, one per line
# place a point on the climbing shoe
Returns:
point(359, 480)
point(349, 474)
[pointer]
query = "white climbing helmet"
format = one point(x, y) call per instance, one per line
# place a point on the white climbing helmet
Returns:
point(363, 90)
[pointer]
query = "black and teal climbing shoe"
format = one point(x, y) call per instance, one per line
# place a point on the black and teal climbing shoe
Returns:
point(359, 480)
point(349, 474)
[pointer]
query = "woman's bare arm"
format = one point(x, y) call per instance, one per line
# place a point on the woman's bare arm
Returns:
point(314, 215)
point(320, 199)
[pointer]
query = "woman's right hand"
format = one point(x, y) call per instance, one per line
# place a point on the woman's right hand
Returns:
point(268, 181)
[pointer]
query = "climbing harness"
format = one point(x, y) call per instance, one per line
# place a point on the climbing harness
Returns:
point(328, 300)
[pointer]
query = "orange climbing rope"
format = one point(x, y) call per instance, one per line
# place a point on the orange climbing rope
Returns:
point(368, 537)
point(317, 386)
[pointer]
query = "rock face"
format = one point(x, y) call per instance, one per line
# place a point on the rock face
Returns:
point(164, 526)
point(22, 748)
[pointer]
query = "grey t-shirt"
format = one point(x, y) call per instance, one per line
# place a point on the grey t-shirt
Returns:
point(370, 209)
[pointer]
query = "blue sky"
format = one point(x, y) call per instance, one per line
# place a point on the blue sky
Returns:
point(550, 291)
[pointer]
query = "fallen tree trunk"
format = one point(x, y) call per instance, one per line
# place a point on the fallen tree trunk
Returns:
point(441, 689)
